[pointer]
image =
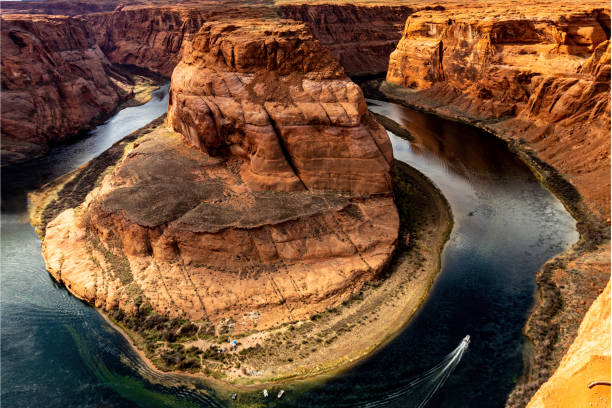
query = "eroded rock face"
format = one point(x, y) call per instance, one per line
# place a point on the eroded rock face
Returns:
point(539, 77)
point(543, 74)
point(587, 361)
point(149, 37)
point(152, 35)
point(55, 81)
point(360, 37)
point(269, 201)
point(273, 96)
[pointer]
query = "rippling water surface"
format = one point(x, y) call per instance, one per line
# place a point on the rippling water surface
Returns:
point(58, 352)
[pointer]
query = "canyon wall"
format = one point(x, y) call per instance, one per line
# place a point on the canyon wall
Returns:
point(55, 82)
point(545, 78)
point(268, 198)
point(586, 362)
point(538, 77)
point(55, 63)
point(150, 36)
point(360, 37)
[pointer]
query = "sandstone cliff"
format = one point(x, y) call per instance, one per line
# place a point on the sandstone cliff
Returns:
point(360, 37)
point(270, 200)
point(538, 77)
point(586, 362)
point(150, 35)
point(55, 81)
point(545, 77)
point(146, 36)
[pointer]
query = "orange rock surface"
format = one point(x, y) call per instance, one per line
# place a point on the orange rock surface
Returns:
point(360, 37)
point(273, 96)
point(270, 201)
point(587, 361)
point(542, 73)
point(150, 35)
point(537, 75)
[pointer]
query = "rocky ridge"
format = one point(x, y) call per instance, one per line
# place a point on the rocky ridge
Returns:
point(586, 362)
point(148, 35)
point(360, 37)
point(542, 79)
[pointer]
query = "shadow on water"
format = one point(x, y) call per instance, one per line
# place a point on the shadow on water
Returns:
point(58, 352)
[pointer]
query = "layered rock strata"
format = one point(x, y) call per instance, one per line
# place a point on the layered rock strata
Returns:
point(55, 81)
point(545, 78)
point(268, 198)
point(360, 37)
point(586, 363)
point(539, 78)
point(147, 35)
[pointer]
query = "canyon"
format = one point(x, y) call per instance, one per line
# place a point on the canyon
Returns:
point(266, 197)
point(539, 79)
point(148, 36)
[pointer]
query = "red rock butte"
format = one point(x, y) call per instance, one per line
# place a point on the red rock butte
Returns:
point(271, 199)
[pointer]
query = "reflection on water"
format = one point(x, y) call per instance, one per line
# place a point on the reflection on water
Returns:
point(506, 226)
point(57, 351)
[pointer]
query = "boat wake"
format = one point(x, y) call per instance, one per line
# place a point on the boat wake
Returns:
point(419, 390)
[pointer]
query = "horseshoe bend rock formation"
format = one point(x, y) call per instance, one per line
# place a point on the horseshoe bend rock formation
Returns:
point(267, 198)
point(55, 81)
point(148, 35)
point(537, 75)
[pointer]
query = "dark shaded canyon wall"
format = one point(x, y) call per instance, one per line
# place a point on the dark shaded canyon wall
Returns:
point(147, 37)
point(150, 36)
point(360, 37)
point(55, 82)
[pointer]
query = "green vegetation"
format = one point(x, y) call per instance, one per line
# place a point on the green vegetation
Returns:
point(128, 387)
point(161, 336)
point(119, 264)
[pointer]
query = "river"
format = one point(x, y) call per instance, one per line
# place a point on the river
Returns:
point(58, 352)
